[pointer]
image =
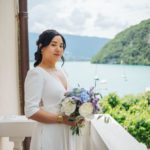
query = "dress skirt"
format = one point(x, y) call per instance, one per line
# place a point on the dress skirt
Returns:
point(50, 137)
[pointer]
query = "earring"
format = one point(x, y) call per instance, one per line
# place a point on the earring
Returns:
point(40, 45)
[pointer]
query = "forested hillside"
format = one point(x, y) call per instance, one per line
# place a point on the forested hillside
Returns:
point(131, 46)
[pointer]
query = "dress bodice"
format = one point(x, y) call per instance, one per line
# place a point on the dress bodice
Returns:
point(42, 86)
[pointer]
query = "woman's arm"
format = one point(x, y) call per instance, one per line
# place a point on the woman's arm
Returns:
point(46, 117)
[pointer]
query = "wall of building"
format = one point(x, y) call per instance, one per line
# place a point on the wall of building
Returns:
point(9, 77)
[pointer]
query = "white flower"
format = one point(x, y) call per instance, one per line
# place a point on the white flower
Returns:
point(68, 107)
point(86, 110)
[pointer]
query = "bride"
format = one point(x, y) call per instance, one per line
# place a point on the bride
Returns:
point(45, 86)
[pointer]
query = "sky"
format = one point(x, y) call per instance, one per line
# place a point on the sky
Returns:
point(100, 18)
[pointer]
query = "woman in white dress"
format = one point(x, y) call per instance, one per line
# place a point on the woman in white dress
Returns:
point(45, 86)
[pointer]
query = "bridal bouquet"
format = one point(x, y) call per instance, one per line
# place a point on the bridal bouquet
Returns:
point(80, 104)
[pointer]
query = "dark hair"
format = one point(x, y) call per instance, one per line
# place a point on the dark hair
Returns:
point(45, 38)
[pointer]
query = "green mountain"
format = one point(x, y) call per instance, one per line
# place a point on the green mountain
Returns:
point(131, 46)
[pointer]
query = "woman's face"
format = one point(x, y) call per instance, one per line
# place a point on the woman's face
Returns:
point(54, 51)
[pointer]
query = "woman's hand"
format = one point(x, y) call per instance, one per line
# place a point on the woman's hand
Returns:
point(71, 123)
point(67, 122)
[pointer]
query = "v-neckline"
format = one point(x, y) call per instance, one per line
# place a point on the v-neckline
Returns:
point(58, 80)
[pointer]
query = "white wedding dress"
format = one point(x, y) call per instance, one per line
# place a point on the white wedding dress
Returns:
point(96, 135)
point(40, 85)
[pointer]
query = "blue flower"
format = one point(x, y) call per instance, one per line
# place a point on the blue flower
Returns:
point(84, 96)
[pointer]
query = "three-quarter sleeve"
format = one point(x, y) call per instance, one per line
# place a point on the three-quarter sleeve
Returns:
point(33, 91)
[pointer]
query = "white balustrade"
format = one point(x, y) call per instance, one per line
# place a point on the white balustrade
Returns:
point(114, 135)
point(16, 128)
point(105, 136)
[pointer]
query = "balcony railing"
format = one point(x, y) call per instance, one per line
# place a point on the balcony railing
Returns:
point(99, 135)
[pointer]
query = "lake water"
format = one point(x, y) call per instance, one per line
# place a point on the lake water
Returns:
point(121, 79)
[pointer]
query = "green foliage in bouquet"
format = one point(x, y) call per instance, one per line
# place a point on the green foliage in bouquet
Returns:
point(132, 112)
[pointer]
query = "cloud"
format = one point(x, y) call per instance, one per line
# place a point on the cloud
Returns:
point(67, 21)
point(76, 22)
point(37, 27)
point(105, 22)
point(78, 17)
point(85, 17)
